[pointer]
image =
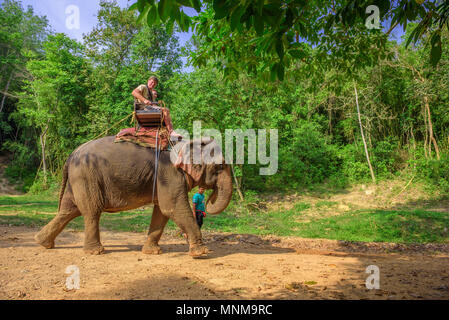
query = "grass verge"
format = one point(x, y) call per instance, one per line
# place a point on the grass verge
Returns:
point(400, 226)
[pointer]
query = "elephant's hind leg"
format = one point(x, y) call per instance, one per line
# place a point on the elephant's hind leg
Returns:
point(89, 203)
point(67, 212)
point(158, 222)
point(92, 242)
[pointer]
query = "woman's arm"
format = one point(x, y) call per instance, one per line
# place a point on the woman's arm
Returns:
point(138, 95)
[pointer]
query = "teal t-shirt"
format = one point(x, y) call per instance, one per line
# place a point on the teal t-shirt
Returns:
point(198, 200)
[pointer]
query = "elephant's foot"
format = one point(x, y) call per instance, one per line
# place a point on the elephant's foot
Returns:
point(198, 250)
point(151, 249)
point(97, 249)
point(43, 241)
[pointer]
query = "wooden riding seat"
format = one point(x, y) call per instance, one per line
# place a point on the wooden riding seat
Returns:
point(149, 118)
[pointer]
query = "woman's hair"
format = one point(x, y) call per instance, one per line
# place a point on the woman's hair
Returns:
point(154, 78)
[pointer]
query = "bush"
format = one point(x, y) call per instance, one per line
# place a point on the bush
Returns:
point(433, 172)
point(353, 163)
point(386, 158)
point(307, 159)
point(45, 186)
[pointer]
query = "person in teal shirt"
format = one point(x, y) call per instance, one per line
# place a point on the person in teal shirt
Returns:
point(199, 209)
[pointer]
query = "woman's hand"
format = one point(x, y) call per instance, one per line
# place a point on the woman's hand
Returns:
point(147, 102)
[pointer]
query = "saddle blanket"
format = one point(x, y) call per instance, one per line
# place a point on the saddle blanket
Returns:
point(145, 137)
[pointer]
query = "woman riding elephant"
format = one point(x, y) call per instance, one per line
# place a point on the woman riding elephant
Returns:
point(103, 176)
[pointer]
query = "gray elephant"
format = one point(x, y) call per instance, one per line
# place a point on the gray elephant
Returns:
point(103, 176)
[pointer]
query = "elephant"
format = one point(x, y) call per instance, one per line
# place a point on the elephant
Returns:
point(103, 176)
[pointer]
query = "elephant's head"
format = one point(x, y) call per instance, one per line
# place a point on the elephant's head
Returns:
point(203, 161)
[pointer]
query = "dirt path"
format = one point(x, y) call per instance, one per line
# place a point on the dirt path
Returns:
point(240, 267)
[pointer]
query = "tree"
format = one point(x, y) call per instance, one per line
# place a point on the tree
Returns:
point(125, 53)
point(21, 33)
point(54, 99)
point(279, 27)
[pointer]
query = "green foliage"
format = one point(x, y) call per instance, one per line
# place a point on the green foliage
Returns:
point(385, 157)
point(354, 165)
point(66, 93)
point(69, 92)
point(307, 159)
point(435, 173)
point(276, 31)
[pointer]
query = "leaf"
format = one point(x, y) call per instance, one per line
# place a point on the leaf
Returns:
point(280, 48)
point(329, 23)
point(435, 52)
point(134, 6)
point(289, 17)
point(143, 14)
point(280, 71)
point(196, 4)
point(273, 71)
point(185, 3)
point(297, 54)
point(410, 11)
point(187, 21)
point(164, 9)
point(384, 6)
point(235, 17)
point(152, 17)
point(258, 25)
point(141, 5)
point(182, 22)
point(260, 4)
point(221, 9)
point(169, 26)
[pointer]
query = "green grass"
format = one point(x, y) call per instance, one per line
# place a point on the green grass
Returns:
point(329, 204)
point(35, 211)
point(400, 226)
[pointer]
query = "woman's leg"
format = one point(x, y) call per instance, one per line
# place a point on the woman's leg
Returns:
point(167, 119)
point(168, 123)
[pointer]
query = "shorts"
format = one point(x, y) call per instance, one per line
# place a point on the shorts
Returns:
point(199, 218)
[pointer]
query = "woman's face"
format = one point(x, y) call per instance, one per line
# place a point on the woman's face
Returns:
point(152, 83)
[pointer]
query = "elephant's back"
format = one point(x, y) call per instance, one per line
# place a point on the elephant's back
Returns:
point(105, 152)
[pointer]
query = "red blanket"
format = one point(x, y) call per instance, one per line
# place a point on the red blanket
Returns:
point(145, 137)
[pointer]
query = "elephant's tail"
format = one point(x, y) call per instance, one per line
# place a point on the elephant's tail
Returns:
point(65, 175)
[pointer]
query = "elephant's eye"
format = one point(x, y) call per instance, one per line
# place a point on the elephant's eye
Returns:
point(219, 169)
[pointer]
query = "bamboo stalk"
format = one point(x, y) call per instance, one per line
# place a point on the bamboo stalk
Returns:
point(363, 136)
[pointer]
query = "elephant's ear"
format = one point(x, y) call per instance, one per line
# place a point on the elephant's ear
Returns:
point(184, 161)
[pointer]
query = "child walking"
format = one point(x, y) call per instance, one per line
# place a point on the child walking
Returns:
point(199, 210)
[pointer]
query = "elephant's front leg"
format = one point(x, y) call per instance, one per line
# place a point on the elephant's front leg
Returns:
point(185, 220)
point(158, 222)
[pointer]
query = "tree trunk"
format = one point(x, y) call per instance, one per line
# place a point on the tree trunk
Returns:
point(426, 135)
point(4, 93)
point(363, 136)
point(431, 137)
point(43, 140)
point(237, 185)
point(427, 120)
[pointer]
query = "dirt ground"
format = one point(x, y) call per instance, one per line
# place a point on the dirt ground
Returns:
point(240, 267)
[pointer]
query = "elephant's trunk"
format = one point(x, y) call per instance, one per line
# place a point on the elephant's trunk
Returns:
point(219, 199)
